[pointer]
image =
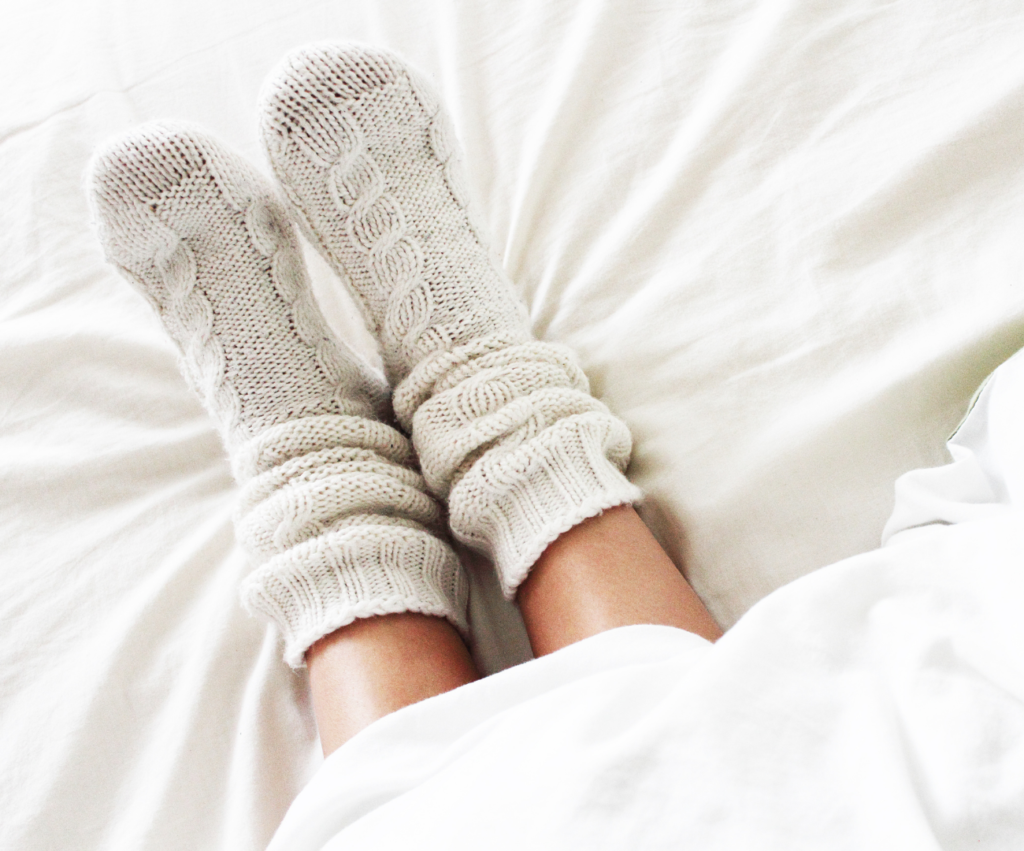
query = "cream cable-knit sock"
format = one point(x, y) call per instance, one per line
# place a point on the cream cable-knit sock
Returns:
point(505, 427)
point(337, 521)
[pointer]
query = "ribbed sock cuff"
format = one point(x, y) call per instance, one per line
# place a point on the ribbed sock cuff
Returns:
point(326, 583)
point(512, 505)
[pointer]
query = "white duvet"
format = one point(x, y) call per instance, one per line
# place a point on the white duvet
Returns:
point(878, 703)
point(783, 235)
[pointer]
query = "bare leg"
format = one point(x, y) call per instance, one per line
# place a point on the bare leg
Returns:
point(607, 572)
point(376, 665)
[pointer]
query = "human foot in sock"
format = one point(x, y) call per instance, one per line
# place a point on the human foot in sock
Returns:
point(505, 427)
point(332, 511)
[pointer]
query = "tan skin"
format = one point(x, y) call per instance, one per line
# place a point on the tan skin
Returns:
point(607, 572)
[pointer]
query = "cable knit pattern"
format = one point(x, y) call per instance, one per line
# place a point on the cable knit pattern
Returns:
point(376, 179)
point(505, 426)
point(332, 513)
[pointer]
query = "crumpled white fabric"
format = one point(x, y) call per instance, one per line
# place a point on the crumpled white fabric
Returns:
point(986, 476)
point(878, 703)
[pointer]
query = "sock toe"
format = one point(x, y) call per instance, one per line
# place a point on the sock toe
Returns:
point(301, 98)
point(143, 165)
point(134, 178)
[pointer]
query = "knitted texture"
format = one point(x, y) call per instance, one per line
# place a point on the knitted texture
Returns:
point(505, 426)
point(333, 514)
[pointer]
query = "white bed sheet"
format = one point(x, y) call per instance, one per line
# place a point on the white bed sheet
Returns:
point(783, 236)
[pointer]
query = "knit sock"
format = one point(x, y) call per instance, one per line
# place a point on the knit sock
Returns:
point(505, 427)
point(333, 514)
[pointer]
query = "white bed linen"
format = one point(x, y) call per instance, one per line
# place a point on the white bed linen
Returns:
point(877, 703)
point(783, 235)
